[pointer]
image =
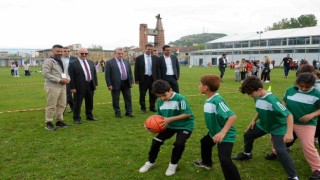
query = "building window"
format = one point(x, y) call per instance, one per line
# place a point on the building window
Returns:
point(315, 40)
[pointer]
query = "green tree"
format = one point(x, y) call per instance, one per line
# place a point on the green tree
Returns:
point(95, 47)
point(307, 20)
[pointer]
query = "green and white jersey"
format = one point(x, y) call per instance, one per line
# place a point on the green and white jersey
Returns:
point(302, 103)
point(272, 114)
point(216, 114)
point(176, 106)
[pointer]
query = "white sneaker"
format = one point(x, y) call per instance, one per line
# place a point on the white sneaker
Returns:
point(316, 141)
point(146, 167)
point(171, 169)
point(267, 81)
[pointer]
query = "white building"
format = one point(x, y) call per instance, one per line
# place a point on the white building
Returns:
point(300, 43)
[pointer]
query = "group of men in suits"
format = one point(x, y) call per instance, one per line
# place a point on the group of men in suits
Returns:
point(77, 76)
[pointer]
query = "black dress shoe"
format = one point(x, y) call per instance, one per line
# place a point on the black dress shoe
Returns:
point(91, 119)
point(118, 116)
point(153, 110)
point(77, 121)
point(129, 115)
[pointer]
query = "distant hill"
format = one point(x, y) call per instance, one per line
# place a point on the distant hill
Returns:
point(197, 39)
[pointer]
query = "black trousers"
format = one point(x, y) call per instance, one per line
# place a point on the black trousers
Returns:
point(126, 92)
point(178, 145)
point(69, 97)
point(143, 88)
point(87, 94)
point(171, 79)
point(229, 170)
point(278, 144)
point(222, 69)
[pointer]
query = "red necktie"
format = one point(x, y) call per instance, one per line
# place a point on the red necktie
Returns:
point(124, 74)
point(87, 71)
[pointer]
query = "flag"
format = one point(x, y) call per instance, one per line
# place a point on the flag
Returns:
point(269, 89)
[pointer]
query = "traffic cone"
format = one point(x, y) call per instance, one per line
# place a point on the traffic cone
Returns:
point(269, 89)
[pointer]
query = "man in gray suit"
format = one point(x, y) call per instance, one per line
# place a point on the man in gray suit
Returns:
point(169, 68)
point(119, 78)
point(56, 77)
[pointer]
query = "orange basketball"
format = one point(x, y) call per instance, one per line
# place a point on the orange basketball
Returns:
point(153, 124)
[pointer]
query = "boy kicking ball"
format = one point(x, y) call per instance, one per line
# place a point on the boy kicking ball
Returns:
point(178, 119)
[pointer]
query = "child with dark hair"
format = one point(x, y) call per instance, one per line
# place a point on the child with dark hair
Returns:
point(219, 119)
point(179, 120)
point(303, 100)
point(272, 117)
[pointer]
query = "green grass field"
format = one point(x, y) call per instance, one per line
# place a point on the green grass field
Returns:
point(113, 148)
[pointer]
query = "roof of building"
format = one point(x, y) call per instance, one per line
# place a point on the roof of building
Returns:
point(274, 34)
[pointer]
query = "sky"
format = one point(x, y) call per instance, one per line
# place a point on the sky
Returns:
point(39, 24)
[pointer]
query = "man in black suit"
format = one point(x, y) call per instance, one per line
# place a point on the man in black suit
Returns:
point(222, 65)
point(67, 60)
point(169, 68)
point(83, 83)
point(119, 78)
point(146, 71)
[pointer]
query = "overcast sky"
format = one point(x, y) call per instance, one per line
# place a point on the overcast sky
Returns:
point(43, 23)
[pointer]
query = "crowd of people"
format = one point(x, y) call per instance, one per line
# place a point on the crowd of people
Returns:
point(70, 80)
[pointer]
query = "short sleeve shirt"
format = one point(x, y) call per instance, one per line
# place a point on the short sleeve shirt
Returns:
point(176, 106)
point(216, 113)
point(302, 103)
point(272, 114)
point(286, 61)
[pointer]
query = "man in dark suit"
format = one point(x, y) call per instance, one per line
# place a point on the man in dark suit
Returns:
point(119, 78)
point(222, 65)
point(67, 60)
point(83, 83)
point(169, 68)
point(146, 71)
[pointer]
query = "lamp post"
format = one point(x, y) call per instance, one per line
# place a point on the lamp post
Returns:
point(259, 32)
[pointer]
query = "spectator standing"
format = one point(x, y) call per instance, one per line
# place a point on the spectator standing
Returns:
point(83, 84)
point(146, 71)
point(286, 65)
point(222, 65)
point(169, 68)
point(16, 69)
point(26, 67)
point(67, 59)
point(119, 78)
point(56, 77)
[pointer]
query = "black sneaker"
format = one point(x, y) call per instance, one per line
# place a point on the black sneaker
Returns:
point(62, 124)
point(50, 126)
point(270, 156)
point(242, 157)
point(202, 165)
point(315, 175)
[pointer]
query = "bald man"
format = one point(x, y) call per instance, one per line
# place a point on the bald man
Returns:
point(82, 84)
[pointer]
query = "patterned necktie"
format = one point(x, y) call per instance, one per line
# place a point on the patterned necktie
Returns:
point(87, 71)
point(124, 74)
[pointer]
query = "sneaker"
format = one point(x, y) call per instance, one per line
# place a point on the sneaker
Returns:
point(242, 157)
point(171, 169)
point(146, 167)
point(202, 165)
point(62, 124)
point(315, 175)
point(270, 156)
point(293, 178)
point(267, 81)
point(50, 126)
point(316, 140)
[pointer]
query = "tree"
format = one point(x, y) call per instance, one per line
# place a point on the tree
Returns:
point(308, 20)
point(95, 47)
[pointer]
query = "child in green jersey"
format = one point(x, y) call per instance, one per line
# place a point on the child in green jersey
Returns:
point(272, 117)
point(179, 120)
point(219, 120)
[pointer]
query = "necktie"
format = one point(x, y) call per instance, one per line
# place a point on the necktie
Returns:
point(87, 70)
point(149, 65)
point(124, 74)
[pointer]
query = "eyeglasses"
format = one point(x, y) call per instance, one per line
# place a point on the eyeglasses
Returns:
point(66, 51)
point(84, 54)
